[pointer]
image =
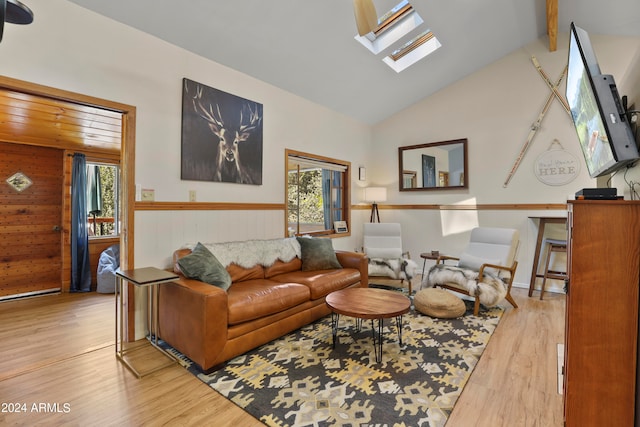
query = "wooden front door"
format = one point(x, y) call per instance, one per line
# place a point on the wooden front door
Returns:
point(30, 219)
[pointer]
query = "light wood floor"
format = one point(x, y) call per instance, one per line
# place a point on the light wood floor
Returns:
point(59, 368)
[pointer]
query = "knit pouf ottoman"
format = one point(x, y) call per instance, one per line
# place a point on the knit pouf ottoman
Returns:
point(436, 302)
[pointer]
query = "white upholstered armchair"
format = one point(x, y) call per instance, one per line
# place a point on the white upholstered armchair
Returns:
point(485, 270)
point(382, 243)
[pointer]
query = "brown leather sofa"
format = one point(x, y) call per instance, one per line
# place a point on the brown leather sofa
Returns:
point(211, 326)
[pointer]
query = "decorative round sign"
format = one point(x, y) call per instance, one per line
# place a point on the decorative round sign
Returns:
point(556, 166)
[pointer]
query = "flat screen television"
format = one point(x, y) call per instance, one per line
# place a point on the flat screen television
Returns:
point(598, 113)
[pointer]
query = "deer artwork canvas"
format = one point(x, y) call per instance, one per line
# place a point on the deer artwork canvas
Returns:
point(221, 136)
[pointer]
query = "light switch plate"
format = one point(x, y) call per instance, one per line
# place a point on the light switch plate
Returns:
point(148, 195)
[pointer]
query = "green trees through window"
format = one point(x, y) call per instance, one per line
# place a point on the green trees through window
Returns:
point(102, 199)
point(305, 197)
point(317, 193)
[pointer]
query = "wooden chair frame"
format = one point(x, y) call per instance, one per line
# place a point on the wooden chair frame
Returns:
point(476, 306)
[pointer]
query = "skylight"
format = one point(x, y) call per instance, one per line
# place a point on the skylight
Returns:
point(389, 19)
point(412, 51)
point(392, 27)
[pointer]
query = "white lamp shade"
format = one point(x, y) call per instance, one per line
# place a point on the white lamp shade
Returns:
point(375, 194)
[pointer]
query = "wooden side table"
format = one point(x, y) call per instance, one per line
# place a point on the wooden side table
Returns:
point(150, 278)
point(368, 303)
point(433, 255)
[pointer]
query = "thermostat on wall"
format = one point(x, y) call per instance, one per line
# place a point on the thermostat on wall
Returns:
point(340, 226)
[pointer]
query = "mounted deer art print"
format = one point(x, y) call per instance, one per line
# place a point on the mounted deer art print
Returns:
point(221, 136)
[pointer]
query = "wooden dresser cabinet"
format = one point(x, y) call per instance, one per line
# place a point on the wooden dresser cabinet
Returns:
point(601, 335)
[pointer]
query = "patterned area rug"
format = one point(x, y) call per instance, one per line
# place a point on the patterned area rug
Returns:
point(301, 380)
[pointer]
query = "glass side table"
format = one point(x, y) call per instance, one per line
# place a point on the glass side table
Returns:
point(149, 278)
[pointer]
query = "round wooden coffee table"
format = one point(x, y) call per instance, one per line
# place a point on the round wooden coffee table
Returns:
point(368, 303)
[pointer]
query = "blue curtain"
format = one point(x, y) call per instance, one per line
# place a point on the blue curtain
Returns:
point(80, 270)
point(326, 198)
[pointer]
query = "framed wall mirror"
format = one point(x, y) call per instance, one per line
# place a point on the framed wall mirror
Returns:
point(434, 166)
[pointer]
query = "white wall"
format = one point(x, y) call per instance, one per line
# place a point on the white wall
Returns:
point(494, 109)
point(74, 49)
point(628, 82)
point(71, 48)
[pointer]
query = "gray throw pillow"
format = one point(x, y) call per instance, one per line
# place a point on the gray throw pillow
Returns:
point(202, 265)
point(317, 254)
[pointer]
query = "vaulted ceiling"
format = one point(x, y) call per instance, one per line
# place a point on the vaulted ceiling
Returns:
point(307, 47)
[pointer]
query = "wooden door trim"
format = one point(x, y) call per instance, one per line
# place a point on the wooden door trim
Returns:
point(127, 150)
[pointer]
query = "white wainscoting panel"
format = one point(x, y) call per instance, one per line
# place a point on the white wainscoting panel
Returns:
point(159, 233)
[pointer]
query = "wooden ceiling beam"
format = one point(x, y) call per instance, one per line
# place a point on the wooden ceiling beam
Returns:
point(552, 24)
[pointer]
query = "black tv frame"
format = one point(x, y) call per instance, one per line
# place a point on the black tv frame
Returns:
point(606, 125)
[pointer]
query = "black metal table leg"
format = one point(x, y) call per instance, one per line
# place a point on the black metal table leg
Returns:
point(335, 317)
point(378, 335)
point(377, 343)
point(399, 328)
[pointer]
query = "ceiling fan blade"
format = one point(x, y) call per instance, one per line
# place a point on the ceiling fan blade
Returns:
point(366, 16)
point(17, 13)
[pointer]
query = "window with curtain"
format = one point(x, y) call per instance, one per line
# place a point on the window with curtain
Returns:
point(102, 199)
point(317, 193)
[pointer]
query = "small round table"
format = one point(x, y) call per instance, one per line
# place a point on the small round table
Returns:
point(428, 255)
point(368, 303)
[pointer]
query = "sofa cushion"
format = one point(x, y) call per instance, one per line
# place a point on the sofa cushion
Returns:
point(317, 254)
point(322, 282)
point(280, 267)
point(239, 274)
point(253, 299)
point(202, 265)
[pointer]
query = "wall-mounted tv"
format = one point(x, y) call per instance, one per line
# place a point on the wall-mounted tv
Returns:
point(599, 116)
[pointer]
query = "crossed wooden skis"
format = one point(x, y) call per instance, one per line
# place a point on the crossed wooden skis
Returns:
point(536, 125)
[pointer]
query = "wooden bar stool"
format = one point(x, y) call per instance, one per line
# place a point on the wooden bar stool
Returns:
point(554, 245)
point(544, 221)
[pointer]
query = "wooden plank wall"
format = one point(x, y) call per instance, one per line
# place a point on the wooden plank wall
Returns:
point(37, 121)
point(30, 247)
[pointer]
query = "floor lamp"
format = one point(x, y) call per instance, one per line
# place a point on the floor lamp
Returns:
point(375, 195)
